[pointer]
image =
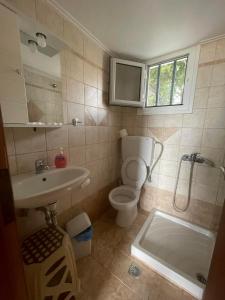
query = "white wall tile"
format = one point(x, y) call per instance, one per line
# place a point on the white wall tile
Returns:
point(166, 183)
point(9, 141)
point(91, 135)
point(76, 136)
point(91, 96)
point(77, 155)
point(204, 76)
point(173, 120)
point(27, 140)
point(191, 137)
point(201, 97)
point(75, 91)
point(204, 192)
point(90, 75)
point(215, 118)
point(195, 120)
point(216, 155)
point(207, 52)
point(174, 139)
point(216, 96)
point(168, 168)
point(12, 165)
point(26, 162)
point(75, 111)
point(91, 152)
point(171, 152)
point(57, 137)
point(218, 74)
point(214, 138)
point(76, 67)
point(220, 49)
point(207, 175)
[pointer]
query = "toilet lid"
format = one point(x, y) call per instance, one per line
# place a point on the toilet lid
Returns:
point(134, 172)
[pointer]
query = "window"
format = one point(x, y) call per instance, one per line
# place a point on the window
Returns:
point(171, 82)
point(165, 85)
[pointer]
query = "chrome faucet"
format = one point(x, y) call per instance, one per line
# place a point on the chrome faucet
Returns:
point(196, 157)
point(40, 166)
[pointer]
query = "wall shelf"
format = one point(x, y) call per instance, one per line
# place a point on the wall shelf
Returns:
point(34, 125)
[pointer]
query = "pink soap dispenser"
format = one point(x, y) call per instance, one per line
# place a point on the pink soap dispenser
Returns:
point(60, 159)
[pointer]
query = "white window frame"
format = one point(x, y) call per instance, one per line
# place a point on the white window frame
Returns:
point(121, 102)
point(189, 85)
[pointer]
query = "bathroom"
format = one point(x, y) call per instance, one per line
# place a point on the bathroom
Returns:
point(64, 123)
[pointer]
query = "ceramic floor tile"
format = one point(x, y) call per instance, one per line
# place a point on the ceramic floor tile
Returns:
point(99, 284)
point(109, 216)
point(168, 291)
point(100, 228)
point(111, 234)
point(104, 274)
point(186, 296)
point(125, 245)
point(136, 226)
point(145, 285)
point(102, 252)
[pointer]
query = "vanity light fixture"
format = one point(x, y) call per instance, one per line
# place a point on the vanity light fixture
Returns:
point(33, 46)
point(41, 39)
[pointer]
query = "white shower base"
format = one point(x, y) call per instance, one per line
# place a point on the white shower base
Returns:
point(176, 249)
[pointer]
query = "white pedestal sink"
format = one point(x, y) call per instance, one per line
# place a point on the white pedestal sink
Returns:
point(41, 190)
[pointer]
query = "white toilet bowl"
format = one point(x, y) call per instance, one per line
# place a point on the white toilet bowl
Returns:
point(124, 199)
point(136, 157)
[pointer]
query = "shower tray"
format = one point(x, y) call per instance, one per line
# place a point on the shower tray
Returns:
point(177, 249)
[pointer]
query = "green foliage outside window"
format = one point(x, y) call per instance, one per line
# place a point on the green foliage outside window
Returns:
point(166, 83)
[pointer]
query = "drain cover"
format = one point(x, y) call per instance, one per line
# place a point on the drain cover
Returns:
point(201, 278)
point(134, 271)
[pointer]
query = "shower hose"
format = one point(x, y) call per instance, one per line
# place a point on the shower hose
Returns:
point(150, 169)
point(178, 209)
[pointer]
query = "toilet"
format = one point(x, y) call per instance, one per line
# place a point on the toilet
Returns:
point(137, 153)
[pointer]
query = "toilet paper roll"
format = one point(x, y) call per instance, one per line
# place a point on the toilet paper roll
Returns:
point(123, 133)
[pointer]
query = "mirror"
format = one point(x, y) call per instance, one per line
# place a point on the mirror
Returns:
point(41, 58)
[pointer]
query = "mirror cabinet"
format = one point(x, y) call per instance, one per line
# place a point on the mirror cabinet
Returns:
point(30, 73)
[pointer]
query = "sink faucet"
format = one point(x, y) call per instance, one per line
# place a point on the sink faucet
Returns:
point(40, 166)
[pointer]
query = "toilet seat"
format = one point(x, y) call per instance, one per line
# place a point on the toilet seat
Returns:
point(134, 172)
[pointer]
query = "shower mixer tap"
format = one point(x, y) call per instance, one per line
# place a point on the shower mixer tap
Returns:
point(192, 158)
point(196, 157)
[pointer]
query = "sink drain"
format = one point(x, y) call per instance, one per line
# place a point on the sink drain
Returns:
point(201, 278)
point(134, 271)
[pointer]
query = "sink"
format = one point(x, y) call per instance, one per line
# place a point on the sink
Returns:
point(37, 190)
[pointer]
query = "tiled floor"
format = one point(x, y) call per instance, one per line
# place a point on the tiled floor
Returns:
point(104, 274)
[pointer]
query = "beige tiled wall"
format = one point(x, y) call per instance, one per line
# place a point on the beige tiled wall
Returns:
point(94, 144)
point(202, 131)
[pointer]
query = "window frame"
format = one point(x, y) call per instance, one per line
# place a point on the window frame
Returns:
point(158, 65)
point(189, 85)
